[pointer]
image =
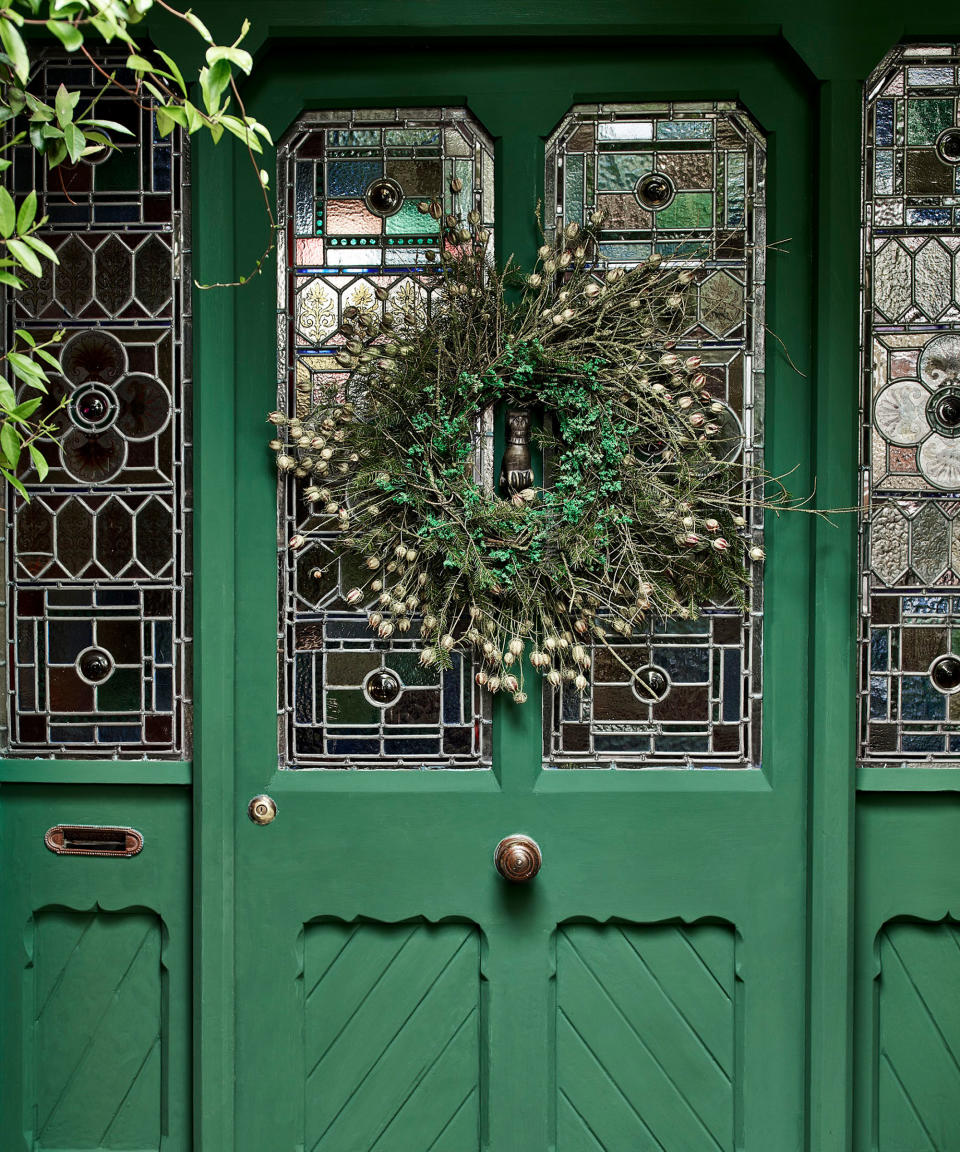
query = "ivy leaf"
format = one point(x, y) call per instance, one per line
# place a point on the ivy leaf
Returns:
point(8, 213)
point(69, 36)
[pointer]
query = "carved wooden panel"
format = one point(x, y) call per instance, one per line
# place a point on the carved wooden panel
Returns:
point(98, 1021)
point(918, 1057)
point(645, 1038)
point(392, 1033)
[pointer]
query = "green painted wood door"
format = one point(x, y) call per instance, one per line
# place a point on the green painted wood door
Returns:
point(646, 990)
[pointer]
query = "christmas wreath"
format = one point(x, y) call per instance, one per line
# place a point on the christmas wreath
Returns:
point(640, 510)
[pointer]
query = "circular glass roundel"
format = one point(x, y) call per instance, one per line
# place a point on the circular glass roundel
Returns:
point(382, 687)
point(948, 145)
point(94, 665)
point(654, 191)
point(384, 197)
point(900, 412)
point(144, 406)
point(93, 355)
point(650, 684)
point(945, 673)
point(943, 411)
point(93, 458)
point(93, 407)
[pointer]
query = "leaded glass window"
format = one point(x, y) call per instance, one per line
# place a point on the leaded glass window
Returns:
point(910, 409)
point(349, 186)
point(98, 562)
point(686, 181)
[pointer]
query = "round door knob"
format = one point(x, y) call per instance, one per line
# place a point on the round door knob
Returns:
point(518, 858)
point(262, 810)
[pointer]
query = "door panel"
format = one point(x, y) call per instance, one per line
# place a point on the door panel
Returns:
point(636, 864)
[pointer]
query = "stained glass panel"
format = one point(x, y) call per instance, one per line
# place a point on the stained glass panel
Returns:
point(350, 186)
point(98, 561)
point(686, 181)
point(910, 410)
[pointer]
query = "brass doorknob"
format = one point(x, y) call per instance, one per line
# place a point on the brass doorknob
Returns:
point(262, 810)
point(518, 858)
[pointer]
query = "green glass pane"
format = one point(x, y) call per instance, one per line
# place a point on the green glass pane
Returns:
point(410, 221)
point(573, 189)
point(350, 707)
point(687, 210)
point(411, 137)
point(119, 172)
point(121, 692)
point(408, 667)
point(926, 119)
point(620, 171)
point(350, 667)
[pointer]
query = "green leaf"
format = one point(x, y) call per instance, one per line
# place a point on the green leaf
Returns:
point(25, 368)
point(168, 117)
point(213, 83)
point(64, 103)
point(139, 64)
point(15, 483)
point(71, 38)
point(15, 48)
point(28, 211)
point(42, 247)
point(241, 131)
point(25, 410)
point(47, 358)
point(11, 280)
point(39, 462)
point(75, 142)
point(10, 443)
point(238, 56)
point(8, 213)
point(198, 24)
point(175, 71)
point(194, 118)
point(25, 336)
point(26, 256)
point(109, 125)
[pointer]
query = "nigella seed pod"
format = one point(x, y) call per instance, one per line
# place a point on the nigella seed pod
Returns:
point(550, 643)
point(697, 419)
point(519, 697)
point(535, 280)
point(564, 260)
point(481, 678)
point(685, 401)
point(711, 525)
point(549, 266)
point(456, 184)
point(739, 521)
point(428, 624)
point(516, 646)
point(332, 508)
point(403, 625)
point(354, 596)
point(668, 360)
point(509, 658)
point(756, 553)
point(385, 631)
point(688, 523)
point(376, 585)
point(375, 619)
point(511, 683)
point(554, 677)
point(493, 684)
point(297, 541)
point(488, 648)
point(473, 217)
point(592, 289)
point(277, 418)
point(276, 445)
point(411, 555)
point(286, 463)
point(571, 231)
point(580, 253)
point(539, 660)
point(372, 561)
point(691, 538)
point(698, 381)
point(720, 544)
point(447, 642)
point(674, 301)
point(580, 682)
point(578, 652)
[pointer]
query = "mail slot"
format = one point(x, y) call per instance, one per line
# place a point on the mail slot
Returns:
point(92, 840)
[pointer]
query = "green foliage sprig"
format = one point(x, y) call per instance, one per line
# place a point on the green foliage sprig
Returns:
point(643, 514)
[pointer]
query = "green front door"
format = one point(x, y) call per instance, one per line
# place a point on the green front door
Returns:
point(646, 990)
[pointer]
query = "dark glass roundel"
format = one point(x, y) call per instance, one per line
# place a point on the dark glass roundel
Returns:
point(384, 197)
point(943, 411)
point(93, 355)
point(948, 145)
point(93, 408)
point(654, 191)
point(945, 673)
point(382, 687)
point(650, 684)
point(93, 458)
point(95, 665)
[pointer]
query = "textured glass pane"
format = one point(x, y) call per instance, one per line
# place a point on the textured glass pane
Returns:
point(99, 560)
point(346, 698)
point(910, 455)
point(689, 692)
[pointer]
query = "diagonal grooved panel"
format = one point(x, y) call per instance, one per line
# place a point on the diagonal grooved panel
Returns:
point(645, 1038)
point(392, 1035)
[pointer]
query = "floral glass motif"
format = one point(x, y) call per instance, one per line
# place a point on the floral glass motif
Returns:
point(686, 181)
point(910, 409)
point(98, 562)
point(350, 186)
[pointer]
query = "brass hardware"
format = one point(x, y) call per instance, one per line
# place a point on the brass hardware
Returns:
point(516, 470)
point(262, 810)
point(92, 840)
point(518, 858)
